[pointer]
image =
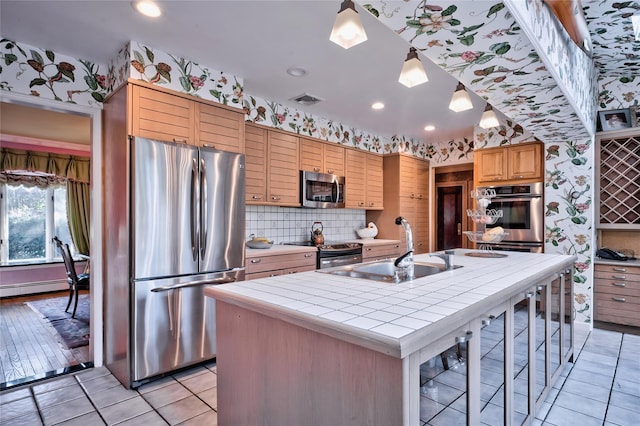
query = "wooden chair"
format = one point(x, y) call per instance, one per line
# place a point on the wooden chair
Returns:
point(76, 282)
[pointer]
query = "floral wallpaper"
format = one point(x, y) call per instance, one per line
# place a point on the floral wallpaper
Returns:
point(568, 197)
point(572, 68)
point(44, 73)
point(612, 36)
point(482, 45)
point(619, 92)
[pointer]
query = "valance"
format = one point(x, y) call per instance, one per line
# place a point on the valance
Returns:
point(72, 167)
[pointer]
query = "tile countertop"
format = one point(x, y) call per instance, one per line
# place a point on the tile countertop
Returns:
point(396, 319)
point(278, 249)
point(635, 262)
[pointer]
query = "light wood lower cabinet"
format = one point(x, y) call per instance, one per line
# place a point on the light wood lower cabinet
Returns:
point(372, 252)
point(617, 294)
point(271, 265)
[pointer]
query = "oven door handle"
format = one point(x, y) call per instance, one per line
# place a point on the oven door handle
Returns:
point(518, 198)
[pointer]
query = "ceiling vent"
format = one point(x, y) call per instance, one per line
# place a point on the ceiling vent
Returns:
point(306, 99)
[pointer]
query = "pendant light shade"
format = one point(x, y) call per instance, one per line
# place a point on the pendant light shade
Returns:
point(412, 72)
point(460, 101)
point(489, 118)
point(347, 29)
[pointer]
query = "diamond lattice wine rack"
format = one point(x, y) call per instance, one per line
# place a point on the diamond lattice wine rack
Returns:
point(619, 182)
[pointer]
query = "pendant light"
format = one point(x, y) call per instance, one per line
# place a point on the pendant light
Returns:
point(347, 29)
point(489, 118)
point(412, 72)
point(460, 101)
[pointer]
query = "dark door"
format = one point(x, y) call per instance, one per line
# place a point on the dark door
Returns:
point(449, 217)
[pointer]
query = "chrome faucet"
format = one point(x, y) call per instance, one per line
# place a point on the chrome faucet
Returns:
point(405, 262)
point(447, 256)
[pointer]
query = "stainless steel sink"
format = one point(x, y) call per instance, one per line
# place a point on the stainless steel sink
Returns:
point(385, 271)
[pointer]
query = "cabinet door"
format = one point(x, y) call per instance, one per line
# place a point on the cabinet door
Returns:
point(355, 179)
point(374, 182)
point(256, 165)
point(311, 156)
point(490, 165)
point(283, 177)
point(334, 159)
point(407, 178)
point(524, 161)
point(219, 128)
point(161, 116)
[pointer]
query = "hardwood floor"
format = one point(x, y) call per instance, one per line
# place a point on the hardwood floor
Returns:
point(29, 345)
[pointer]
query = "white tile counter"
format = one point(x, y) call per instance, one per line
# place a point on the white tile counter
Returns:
point(278, 249)
point(396, 319)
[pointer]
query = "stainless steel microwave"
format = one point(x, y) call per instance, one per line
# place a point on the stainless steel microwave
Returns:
point(321, 190)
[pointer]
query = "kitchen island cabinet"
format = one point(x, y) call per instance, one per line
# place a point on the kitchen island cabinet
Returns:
point(316, 348)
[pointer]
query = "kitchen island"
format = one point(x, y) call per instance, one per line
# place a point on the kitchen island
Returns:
point(314, 348)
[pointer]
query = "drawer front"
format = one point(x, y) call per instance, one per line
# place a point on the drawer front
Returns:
point(382, 251)
point(275, 273)
point(283, 261)
point(618, 269)
point(612, 308)
point(619, 287)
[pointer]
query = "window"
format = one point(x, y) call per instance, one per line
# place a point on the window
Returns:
point(31, 217)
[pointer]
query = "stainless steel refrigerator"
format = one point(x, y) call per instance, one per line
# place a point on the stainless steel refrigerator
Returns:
point(187, 223)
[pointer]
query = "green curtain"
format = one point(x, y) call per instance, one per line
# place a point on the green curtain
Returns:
point(77, 172)
point(79, 214)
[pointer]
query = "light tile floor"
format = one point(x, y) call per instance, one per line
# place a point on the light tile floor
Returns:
point(602, 387)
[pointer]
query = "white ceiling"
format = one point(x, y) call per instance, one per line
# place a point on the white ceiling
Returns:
point(258, 41)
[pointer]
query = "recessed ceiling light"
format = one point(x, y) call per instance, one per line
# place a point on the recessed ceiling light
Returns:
point(429, 127)
point(377, 105)
point(147, 8)
point(296, 71)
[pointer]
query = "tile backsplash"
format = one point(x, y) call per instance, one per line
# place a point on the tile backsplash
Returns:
point(285, 224)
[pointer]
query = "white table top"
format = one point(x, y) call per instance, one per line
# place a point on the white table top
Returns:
point(393, 318)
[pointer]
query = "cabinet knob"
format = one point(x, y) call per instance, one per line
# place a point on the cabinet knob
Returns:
point(330, 171)
point(619, 299)
point(316, 169)
point(308, 255)
point(256, 197)
point(178, 140)
point(412, 195)
point(275, 197)
point(361, 203)
point(368, 249)
point(620, 269)
point(371, 204)
point(256, 260)
point(619, 284)
point(519, 176)
point(208, 145)
point(619, 277)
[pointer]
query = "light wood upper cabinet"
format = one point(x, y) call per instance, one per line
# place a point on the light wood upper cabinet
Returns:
point(355, 185)
point(321, 157)
point(374, 182)
point(515, 163)
point(406, 194)
point(283, 176)
point(161, 116)
point(219, 128)
point(255, 164)
point(364, 180)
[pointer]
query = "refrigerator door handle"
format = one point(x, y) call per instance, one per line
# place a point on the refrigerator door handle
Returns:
point(217, 281)
point(204, 212)
point(194, 211)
